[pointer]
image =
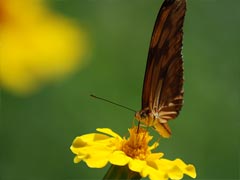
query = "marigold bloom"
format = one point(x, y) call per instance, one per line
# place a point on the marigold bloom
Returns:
point(97, 149)
point(37, 45)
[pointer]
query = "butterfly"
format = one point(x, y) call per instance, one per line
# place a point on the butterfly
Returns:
point(162, 93)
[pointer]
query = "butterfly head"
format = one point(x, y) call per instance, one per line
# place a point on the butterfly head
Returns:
point(140, 115)
point(145, 116)
point(153, 119)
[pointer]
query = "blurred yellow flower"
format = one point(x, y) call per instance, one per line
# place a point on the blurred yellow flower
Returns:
point(37, 46)
point(97, 149)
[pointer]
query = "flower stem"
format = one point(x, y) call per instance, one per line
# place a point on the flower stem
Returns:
point(121, 172)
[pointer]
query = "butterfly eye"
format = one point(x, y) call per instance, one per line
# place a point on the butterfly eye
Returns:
point(143, 115)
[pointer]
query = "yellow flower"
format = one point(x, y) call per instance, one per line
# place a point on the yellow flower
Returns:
point(97, 149)
point(37, 46)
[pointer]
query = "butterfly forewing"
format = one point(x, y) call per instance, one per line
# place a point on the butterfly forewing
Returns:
point(162, 95)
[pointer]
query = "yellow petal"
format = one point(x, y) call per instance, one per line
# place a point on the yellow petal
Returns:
point(154, 174)
point(77, 159)
point(92, 148)
point(136, 165)
point(154, 146)
point(175, 173)
point(96, 162)
point(86, 140)
point(190, 171)
point(119, 158)
point(108, 132)
point(180, 163)
point(164, 164)
point(96, 157)
point(187, 169)
point(83, 140)
point(154, 156)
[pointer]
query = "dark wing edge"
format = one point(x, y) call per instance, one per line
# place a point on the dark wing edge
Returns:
point(163, 81)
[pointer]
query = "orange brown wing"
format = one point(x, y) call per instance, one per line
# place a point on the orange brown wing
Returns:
point(163, 81)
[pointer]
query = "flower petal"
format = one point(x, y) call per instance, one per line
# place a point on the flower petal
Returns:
point(137, 165)
point(157, 175)
point(187, 169)
point(86, 140)
point(108, 132)
point(119, 158)
point(154, 156)
point(93, 148)
point(154, 174)
point(96, 162)
point(154, 146)
point(77, 159)
point(175, 173)
point(96, 157)
point(191, 171)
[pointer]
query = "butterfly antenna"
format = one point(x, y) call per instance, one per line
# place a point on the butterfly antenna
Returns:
point(103, 99)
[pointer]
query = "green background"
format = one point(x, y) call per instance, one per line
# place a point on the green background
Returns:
point(37, 131)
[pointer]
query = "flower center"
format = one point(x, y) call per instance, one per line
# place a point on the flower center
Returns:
point(136, 146)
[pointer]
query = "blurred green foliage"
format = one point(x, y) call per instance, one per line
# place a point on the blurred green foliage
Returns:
point(37, 131)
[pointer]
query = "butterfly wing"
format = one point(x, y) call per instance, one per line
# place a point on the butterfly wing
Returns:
point(163, 81)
